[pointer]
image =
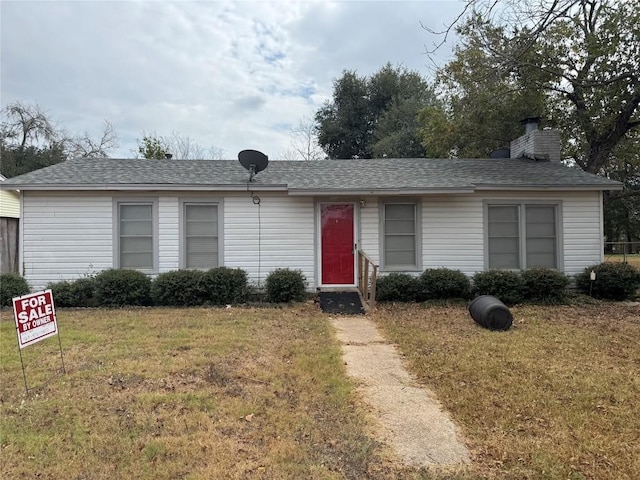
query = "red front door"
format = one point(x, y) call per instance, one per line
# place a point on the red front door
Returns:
point(337, 244)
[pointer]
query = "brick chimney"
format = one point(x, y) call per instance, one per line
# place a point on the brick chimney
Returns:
point(535, 143)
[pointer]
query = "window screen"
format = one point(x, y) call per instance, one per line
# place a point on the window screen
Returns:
point(136, 236)
point(400, 234)
point(201, 235)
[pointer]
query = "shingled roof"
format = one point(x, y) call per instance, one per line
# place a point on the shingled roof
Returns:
point(375, 176)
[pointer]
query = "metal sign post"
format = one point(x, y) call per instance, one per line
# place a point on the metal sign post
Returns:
point(35, 316)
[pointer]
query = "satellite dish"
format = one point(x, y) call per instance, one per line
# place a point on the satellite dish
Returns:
point(500, 153)
point(254, 161)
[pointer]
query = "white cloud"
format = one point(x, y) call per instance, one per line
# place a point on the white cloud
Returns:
point(231, 74)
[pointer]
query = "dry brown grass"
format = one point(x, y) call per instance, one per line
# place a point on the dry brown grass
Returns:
point(262, 393)
point(194, 394)
point(556, 397)
point(630, 259)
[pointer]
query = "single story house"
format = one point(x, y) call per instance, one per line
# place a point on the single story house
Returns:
point(9, 221)
point(85, 215)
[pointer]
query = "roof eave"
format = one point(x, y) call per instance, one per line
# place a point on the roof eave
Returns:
point(156, 187)
point(379, 192)
point(544, 188)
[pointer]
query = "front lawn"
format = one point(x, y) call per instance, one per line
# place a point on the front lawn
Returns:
point(262, 393)
point(555, 397)
point(193, 394)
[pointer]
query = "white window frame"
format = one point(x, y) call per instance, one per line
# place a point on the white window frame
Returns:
point(184, 202)
point(522, 232)
point(153, 202)
point(417, 266)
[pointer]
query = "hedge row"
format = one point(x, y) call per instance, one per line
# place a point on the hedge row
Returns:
point(119, 288)
point(223, 286)
point(614, 281)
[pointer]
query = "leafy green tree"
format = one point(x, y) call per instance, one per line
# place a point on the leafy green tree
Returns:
point(152, 146)
point(582, 56)
point(17, 160)
point(345, 124)
point(374, 116)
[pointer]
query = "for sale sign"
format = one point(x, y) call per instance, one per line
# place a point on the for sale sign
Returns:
point(35, 317)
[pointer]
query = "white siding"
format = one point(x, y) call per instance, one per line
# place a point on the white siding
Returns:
point(168, 234)
point(65, 236)
point(582, 221)
point(68, 235)
point(452, 233)
point(453, 229)
point(369, 229)
point(283, 236)
point(581, 230)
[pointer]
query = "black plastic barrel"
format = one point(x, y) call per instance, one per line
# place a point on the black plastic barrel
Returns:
point(490, 313)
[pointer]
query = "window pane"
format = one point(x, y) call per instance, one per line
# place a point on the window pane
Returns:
point(201, 212)
point(541, 260)
point(503, 245)
point(503, 260)
point(541, 230)
point(136, 260)
point(400, 242)
point(399, 211)
point(201, 236)
point(503, 229)
point(202, 245)
point(401, 258)
point(541, 245)
point(135, 212)
point(136, 244)
point(400, 226)
point(136, 227)
point(202, 228)
point(540, 213)
point(503, 213)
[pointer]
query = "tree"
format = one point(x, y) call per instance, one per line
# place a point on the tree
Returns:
point(345, 124)
point(30, 140)
point(179, 147)
point(152, 146)
point(86, 147)
point(304, 142)
point(583, 56)
point(374, 116)
point(24, 124)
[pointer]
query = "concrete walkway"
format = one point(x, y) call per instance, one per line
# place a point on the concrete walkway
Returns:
point(412, 420)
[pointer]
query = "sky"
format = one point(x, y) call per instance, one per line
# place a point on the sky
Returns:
point(229, 75)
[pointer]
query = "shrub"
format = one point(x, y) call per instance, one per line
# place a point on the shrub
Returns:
point(443, 283)
point(614, 281)
point(77, 293)
point(284, 285)
point(505, 285)
point(397, 287)
point(224, 286)
point(12, 285)
point(118, 288)
point(545, 285)
point(179, 288)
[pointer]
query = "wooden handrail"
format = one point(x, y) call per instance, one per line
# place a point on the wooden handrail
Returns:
point(367, 278)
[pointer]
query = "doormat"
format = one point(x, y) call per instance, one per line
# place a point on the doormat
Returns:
point(344, 303)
